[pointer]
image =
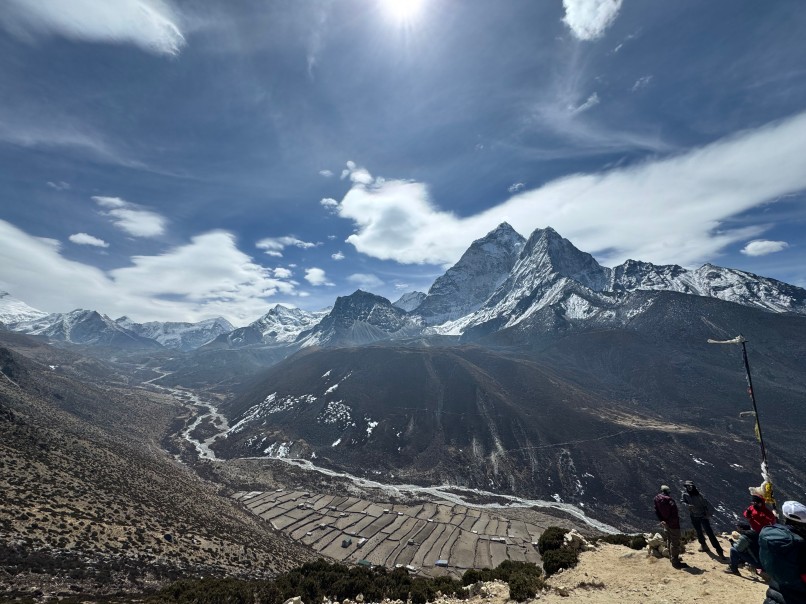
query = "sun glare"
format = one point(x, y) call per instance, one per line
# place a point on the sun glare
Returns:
point(402, 11)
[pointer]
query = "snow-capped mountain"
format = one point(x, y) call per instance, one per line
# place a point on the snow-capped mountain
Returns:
point(281, 325)
point(409, 301)
point(14, 311)
point(552, 271)
point(479, 272)
point(360, 318)
point(85, 327)
point(183, 336)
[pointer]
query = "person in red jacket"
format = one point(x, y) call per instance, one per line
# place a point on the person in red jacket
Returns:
point(758, 514)
point(666, 511)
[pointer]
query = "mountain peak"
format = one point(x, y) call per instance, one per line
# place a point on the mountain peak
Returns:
point(467, 284)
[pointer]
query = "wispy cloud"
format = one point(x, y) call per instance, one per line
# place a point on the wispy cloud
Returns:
point(274, 246)
point(337, 256)
point(665, 210)
point(590, 102)
point(762, 247)
point(58, 185)
point(515, 187)
point(317, 277)
point(588, 19)
point(641, 82)
point(326, 173)
point(282, 273)
point(150, 24)
point(131, 217)
point(85, 239)
point(365, 281)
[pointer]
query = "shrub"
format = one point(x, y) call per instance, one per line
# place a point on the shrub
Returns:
point(632, 541)
point(551, 539)
point(556, 559)
point(522, 587)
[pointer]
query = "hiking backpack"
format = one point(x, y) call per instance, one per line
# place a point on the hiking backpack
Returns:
point(782, 556)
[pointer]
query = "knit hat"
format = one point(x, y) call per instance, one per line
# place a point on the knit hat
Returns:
point(665, 489)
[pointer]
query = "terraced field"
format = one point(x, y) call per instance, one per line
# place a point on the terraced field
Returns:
point(414, 536)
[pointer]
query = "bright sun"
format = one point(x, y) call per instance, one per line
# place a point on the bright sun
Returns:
point(402, 11)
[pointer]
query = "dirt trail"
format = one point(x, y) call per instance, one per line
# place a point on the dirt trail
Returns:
point(630, 576)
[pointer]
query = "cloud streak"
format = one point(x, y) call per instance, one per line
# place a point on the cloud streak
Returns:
point(666, 210)
point(85, 239)
point(274, 246)
point(148, 24)
point(131, 218)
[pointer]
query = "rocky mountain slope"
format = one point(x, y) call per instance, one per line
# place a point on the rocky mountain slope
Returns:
point(360, 318)
point(549, 408)
point(89, 495)
point(479, 272)
point(281, 325)
point(85, 327)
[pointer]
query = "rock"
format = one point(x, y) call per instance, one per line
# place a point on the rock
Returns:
point(359, 598)
point(294, 600)
point(577, 542)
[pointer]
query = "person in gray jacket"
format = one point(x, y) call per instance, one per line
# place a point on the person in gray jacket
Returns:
point(699, 510)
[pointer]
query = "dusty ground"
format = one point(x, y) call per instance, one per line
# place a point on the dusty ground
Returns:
point(631, 577)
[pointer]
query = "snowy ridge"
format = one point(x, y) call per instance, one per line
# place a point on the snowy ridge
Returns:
point(550, 269)
point(14, 311)
point(467, 284)
point(184, 336)
point(84, 327)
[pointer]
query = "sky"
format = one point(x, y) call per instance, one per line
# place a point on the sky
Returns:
point(184, 159)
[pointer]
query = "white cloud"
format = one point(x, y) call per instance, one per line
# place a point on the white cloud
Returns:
point(356, 175)
point(205, 278)
point(131, 217)
point(515, 187)
point(365, 281)
point(641, 82)
point(282, 273)
point(316, 276)
point(85, 239)
point(59, 185)
point(330, 204)
point(326, 173)
point(149, 24)
point(337, 256)
point(590, 102)
point(762, 247)
point(588, 19)
point(662, 210)
point(274, 246)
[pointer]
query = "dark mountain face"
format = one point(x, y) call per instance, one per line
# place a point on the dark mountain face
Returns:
point(595, 416)
point(467, 284)
point(360, 318)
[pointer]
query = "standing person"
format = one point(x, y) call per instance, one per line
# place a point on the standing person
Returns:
point(699, 510)
point(758, 514)
point(666, 511)
point(783, 555)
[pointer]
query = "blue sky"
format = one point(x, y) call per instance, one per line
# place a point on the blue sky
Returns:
point(186, 159)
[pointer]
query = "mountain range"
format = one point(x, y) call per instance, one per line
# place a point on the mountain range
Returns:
point(500, 281)
point(527, 368)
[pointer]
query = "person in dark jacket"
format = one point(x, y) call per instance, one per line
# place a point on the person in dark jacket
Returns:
point(699, 510)
point(783, 555)
point(666, 511)
point(743, 548)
